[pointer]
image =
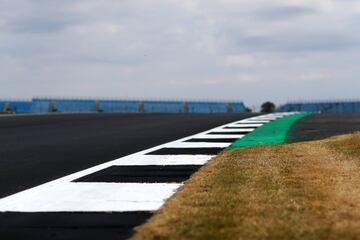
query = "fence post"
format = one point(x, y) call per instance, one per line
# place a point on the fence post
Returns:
point(141, 107)
point(185, 107)
point(229, 108)
point(97, 106)
point(52, 106)
point(6, 107)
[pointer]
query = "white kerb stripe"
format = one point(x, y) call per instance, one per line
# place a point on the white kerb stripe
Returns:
point(143, 160)
point(218, 136)
point(255, 125)
point(198, 145)
point(234, 130)
point(255, 121)
point(92, 197)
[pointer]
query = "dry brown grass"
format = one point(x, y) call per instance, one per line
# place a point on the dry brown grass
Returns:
point(308, 190)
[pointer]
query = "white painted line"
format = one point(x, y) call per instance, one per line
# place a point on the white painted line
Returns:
point(254, 121)
point(92, 197)
point(255, 125)
point(198, 145)
point(163, 160)
point(218, 136)
point(234, 130)
point(265, 119)
point(273, 117)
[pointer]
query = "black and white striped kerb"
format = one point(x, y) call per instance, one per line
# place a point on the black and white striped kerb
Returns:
point(142, 174)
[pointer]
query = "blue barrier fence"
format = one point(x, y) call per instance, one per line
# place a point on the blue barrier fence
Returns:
point(43, 105)
point(15, 106)
point(346, 106)
point(118, 106)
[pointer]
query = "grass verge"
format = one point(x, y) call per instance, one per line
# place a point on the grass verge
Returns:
point(307, 190)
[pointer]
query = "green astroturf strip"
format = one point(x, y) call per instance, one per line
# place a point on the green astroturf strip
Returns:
point(270, 133)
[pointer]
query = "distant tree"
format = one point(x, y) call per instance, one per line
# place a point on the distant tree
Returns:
point(247, 109)
point(268, 107)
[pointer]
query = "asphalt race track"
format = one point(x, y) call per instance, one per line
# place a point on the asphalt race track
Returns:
point(40, 148)
point(320, 126)
point(37, 149)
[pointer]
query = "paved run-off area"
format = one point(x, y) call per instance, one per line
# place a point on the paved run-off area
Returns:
point(67, 199)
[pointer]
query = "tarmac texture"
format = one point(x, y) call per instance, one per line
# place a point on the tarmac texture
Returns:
point(39, 148)
point(320, 126)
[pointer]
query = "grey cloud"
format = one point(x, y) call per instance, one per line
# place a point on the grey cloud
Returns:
point(154, 48)
point(38, 25)
point(30, 17)
point(284, 12)
point(296, 42)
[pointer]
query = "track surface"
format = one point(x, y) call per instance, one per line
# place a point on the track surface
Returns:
point(38, 149)
point(320, 126)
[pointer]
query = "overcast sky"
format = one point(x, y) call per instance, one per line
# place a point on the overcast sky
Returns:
point(250, 50)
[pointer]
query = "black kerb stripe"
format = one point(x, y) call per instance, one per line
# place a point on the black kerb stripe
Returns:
point(142, 174)
point(186, 151)
point(239, 127)
point(63, 225)
point(228, 133)
point(217, 140)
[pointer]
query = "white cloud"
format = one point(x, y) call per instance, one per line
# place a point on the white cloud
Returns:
point(240, 60)
point(246, 78)
point(313, 76)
